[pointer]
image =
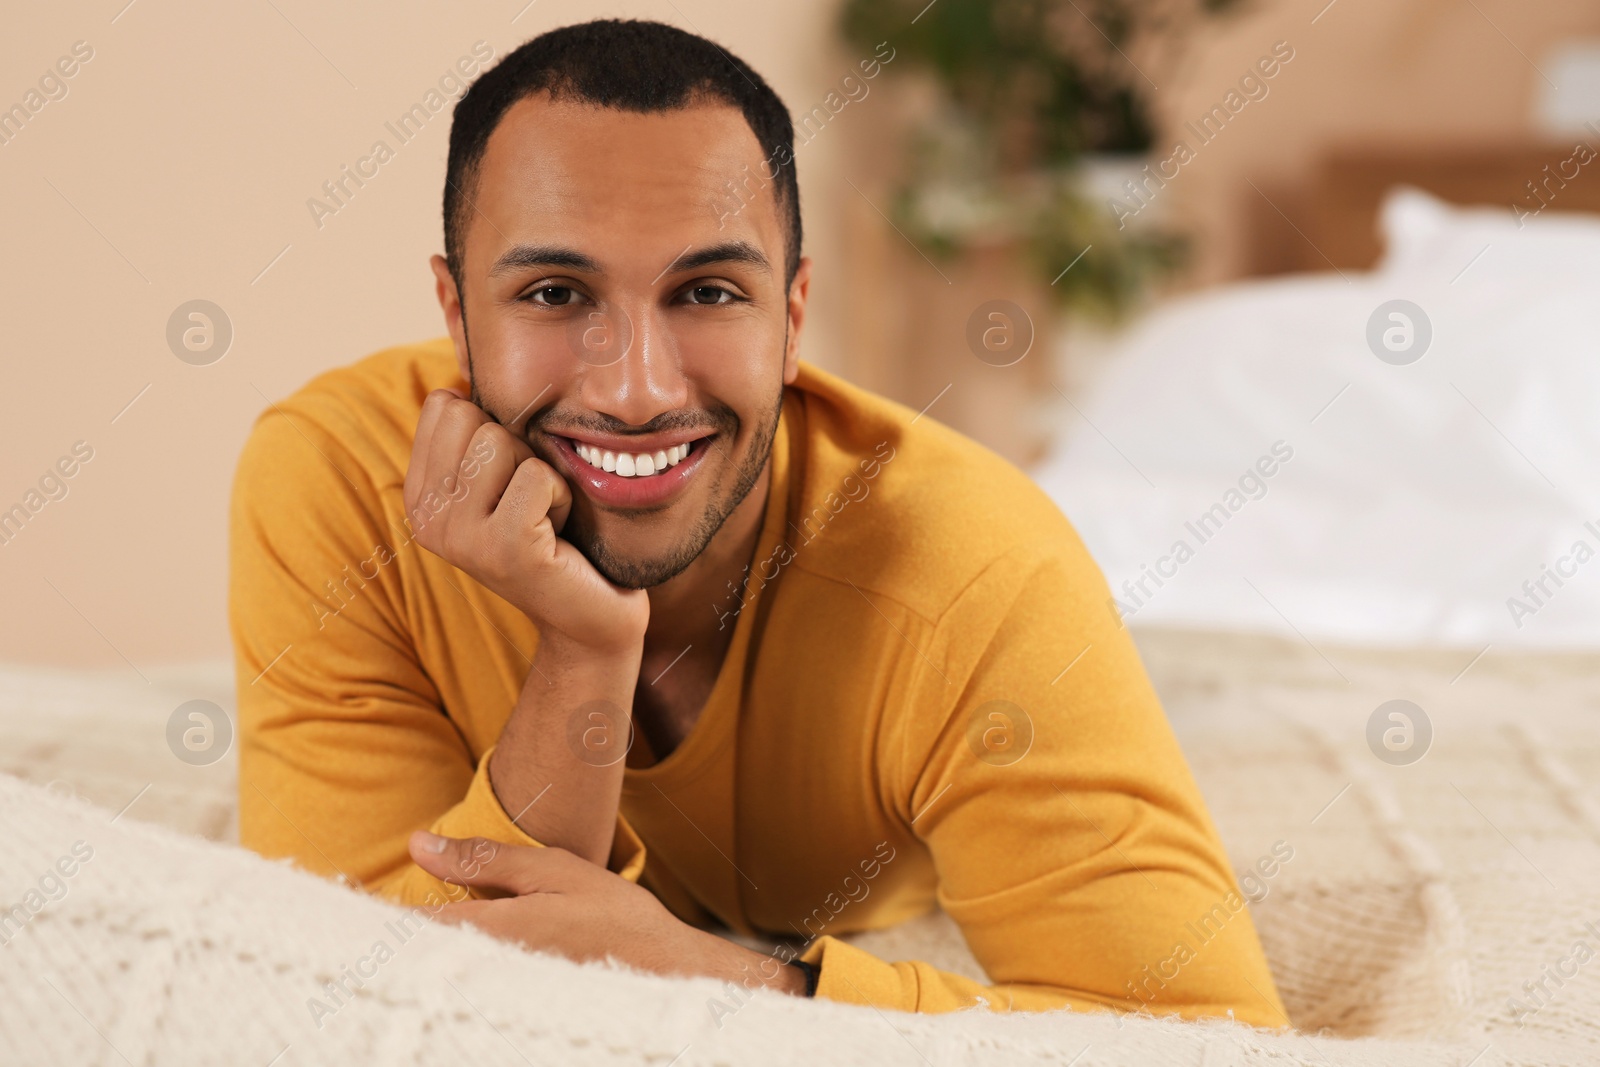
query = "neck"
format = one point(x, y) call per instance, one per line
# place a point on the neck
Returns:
point(696, 605)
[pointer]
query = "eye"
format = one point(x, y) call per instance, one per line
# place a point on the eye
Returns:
point(709, 294)
point(553, 296)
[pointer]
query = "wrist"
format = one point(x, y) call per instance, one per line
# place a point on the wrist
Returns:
point(566, 651)
point(810, 976)
point(716, 957)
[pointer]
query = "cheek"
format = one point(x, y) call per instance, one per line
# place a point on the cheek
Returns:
point(517, 363)
point(738, 362)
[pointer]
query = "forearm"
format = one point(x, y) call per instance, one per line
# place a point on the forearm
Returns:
point(557, 769)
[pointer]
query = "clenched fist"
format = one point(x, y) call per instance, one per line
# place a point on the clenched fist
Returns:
point(480, 499)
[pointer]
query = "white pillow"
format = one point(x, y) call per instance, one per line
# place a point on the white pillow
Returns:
point(1424, 236)
point(1420, 497)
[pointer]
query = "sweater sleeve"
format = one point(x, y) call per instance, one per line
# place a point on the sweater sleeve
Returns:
point(345, 747)
point(1071, 844)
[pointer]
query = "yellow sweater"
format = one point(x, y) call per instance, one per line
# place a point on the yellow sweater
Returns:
point(927, 701)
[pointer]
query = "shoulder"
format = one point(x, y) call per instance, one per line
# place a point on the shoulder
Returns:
point(361, 415)
point(896, 502)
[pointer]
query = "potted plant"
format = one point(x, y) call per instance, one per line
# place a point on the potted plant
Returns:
point(1042, 112)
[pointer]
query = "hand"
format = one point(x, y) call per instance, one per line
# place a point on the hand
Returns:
point(480, 499)
point(563, 904)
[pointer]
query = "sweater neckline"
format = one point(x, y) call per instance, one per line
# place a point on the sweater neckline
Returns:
point(714, 730)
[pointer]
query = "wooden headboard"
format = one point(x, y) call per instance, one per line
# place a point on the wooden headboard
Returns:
point(1335, 214)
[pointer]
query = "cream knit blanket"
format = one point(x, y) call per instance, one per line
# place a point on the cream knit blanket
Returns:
point(1429, 914)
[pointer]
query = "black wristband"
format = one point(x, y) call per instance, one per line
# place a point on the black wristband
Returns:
point(812, 973)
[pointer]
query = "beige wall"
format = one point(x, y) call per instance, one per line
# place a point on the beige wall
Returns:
point(179, 164)
point(178, 167)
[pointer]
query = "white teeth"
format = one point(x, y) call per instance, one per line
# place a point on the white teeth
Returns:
point(632, 465)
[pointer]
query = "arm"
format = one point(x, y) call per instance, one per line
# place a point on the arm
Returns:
point(479, 499)
point(558, 764)
point(345, 747)
point(1078, 862)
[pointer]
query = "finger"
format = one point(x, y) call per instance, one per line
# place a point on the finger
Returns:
point(560, 503)
point(505, 920)
point(466, 911)
point(437, 409)
point(498, 453)
point(486, 864)
point(441, 478)
point(432, 405)
point(536, 491)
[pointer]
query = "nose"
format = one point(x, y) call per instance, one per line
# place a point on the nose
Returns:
point(640, 375)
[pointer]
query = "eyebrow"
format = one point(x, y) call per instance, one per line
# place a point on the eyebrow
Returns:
point(523, 257)
point(727, 252)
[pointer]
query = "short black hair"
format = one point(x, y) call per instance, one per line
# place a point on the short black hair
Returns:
point(630, 65)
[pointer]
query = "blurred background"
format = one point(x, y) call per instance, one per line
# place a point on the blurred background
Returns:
point(1142, 249)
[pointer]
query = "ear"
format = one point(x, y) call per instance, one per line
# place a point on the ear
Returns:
point(444, 286)
point(799, 289)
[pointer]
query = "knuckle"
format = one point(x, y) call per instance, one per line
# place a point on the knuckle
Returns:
point(418, 517)
point(488, 435)
point(455, 543)
point(462, 411)
point(484, 850)
point(532, 476)
point(471, 853)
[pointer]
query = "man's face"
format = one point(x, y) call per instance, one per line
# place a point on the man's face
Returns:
point(620, 317)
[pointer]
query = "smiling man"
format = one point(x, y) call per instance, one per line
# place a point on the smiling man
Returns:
point(610, 609)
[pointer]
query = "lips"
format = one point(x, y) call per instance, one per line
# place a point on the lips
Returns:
point(619, 487)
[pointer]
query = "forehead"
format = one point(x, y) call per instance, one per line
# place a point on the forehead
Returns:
point(621, 185)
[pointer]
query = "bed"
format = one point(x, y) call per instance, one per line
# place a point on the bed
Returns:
point(1419, 904)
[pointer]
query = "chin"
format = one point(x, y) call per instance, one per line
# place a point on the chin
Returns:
point(639, 551)
point(641, 569)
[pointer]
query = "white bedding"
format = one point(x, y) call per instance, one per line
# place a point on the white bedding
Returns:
point(1419, 498)
point(1418, 900)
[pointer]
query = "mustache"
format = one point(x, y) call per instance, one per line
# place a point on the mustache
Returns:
point(704, 421)
point(552, 419)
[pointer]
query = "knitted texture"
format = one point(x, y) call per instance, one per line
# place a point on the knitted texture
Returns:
point(1428, 914)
